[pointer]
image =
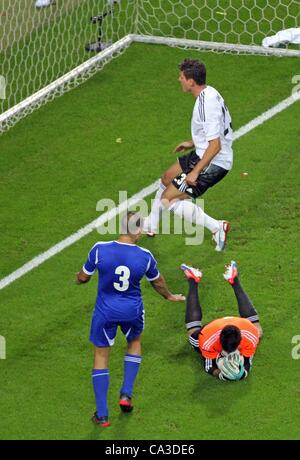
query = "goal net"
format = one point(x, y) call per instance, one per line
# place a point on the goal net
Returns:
point(43, 50)
point(47, 47)
point(234, 22)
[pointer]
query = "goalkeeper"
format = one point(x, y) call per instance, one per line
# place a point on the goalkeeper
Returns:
point(227, 345)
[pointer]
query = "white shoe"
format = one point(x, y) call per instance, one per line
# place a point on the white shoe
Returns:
point(231, 272)
point(220, 235)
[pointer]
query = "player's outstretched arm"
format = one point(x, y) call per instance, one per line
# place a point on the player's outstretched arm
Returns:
point(161, 287)
point(186, 145)
point(82, 277)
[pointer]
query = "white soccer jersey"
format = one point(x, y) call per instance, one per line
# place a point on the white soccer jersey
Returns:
point(211, 119)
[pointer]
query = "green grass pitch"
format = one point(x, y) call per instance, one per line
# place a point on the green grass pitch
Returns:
point(57, 163)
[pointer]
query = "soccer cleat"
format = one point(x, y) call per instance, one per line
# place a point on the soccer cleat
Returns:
point(220, 235)
point(102, 421)
point(125, 403)
point(231, 272)
point(191, 272)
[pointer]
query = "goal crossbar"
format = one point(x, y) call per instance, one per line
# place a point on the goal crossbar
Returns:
point(215, 46)
point(35, 98)
point(106, 55)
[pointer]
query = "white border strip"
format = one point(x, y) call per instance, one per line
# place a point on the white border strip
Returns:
point(133, 200)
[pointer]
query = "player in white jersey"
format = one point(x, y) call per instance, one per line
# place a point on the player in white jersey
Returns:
point(208, 162)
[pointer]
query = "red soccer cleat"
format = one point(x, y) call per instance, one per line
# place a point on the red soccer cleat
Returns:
point(125, 403)
point(102, 421)
point(231, 272)
point(191, 272)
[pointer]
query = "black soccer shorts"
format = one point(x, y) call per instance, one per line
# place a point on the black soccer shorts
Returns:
point(210, 176)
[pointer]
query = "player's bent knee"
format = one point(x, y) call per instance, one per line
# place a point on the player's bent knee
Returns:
point(166, 179)
point(169, 196)
point(165, 199)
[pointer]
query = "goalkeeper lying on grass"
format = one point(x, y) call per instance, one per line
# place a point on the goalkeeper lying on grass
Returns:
point(228, 344)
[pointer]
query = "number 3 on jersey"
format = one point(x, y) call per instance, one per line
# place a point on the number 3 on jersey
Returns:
point(124, 274)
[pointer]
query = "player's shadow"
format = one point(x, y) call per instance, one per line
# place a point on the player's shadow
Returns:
point(121, 426)
point(208, 393)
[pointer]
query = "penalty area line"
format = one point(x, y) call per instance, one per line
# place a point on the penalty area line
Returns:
point(107, 216)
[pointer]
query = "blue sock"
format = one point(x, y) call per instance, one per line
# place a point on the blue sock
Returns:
point(101, 383)
point(131, 368)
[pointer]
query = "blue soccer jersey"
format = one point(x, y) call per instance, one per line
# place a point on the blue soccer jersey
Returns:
point(121, 267)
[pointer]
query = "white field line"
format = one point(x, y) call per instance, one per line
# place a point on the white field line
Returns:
point(104, 218)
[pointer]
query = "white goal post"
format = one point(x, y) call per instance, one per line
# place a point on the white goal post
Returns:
point(49, 50)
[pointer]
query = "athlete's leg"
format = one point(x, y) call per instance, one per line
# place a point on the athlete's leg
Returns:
point(101, 357)
point(132, 362)
point(172, 172)
point(151, 223)
point(172, 194)
point(245, 306)
point(193, 312)
point(180, 190)
point(102, 336)
point(180, 203)
point(135, 346)
point(100, 375)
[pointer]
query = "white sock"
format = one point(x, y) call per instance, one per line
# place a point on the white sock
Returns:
point(188, 210)
point(152, 221)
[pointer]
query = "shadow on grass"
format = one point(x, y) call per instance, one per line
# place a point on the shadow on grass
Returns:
point(218, 398)
point(118, 430)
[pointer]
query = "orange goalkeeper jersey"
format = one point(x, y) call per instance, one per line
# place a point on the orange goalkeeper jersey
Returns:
point(209, 337)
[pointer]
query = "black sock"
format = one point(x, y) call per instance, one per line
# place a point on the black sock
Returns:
point(246, 308)
point(193, 313)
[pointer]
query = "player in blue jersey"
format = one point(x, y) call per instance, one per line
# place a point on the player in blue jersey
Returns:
point(121, 265)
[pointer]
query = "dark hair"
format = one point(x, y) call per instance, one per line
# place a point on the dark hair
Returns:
point(194, 69)
point(131, 223)
point(230, 338)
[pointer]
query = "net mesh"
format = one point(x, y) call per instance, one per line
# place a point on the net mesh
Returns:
point(41, 47)
point(226, 21)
